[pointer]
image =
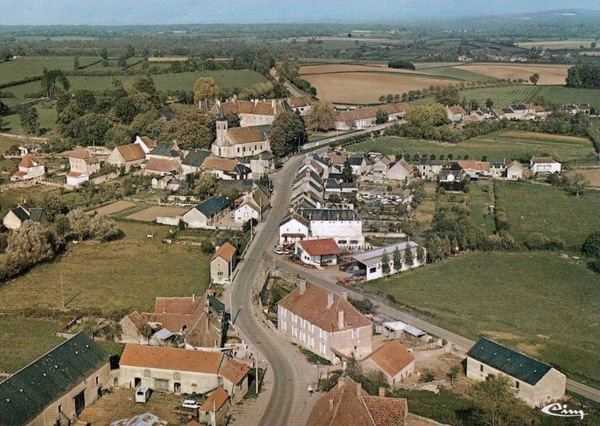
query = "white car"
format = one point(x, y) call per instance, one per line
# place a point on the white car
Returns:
point(190, 403)
point(278, 250)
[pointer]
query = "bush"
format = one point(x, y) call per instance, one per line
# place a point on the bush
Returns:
point(591, 245)
point(539, 241)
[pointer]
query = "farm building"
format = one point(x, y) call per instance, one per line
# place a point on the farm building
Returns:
point(235, 378)
point(75, 179)
point(55, 388)
point(240, 142)
point(30, 167)
point(399, 170)
point(343, 225)
point(397, 329)
point(15, 217)
point(293, 228)
point(215, 407)
point(514, 171)
point(347, 403)
point(324, 323)
point(223, 263)
point(127, 156)
point(226, 169)
point(166, 369)
point(146, 143)
point(393, 360)
point(192, 163)
point(166, 151)
point(318, 252)
point(456, 113)
point(544, 165)
point(299, 104)
point(162, 166)
point(372, 261)
point(535, 383)
point(251, 113)
point(83, 161)
point(367, 117)
point(205, 214)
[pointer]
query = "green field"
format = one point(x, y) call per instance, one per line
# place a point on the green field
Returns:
point(7, 143)
point(551, 211)
point(481, 195)
point(504, 96)
point(497, 146)
point(225, 79)
point(516, 298)
point(125, 274)
point(20, 68)
point(24, 340)
point(47, 119)
point(460, 74)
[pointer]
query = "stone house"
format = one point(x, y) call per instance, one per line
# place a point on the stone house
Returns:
point(146, 143)
point(393, 360)
point(293, 228)
point(127, 156)
point(83, 161)
point(324, 323)
point(429, 169)
point(30, 167)
point(226, 169)
point(367, 117)
point(192, 163)
point(399, 170)
point(222, 264)
point(162, 166)
point(544, 165)
point(215, 407)
point(55, 388)
point(251, 113)
point(239, 142)
point(166, 151)
point(456, 113)
point(299, 104)
point(535, 382)
point(235, 379)
point(15, 217)
point(348, 404)
point(206, 214)
point(165, 369)
point(514, 171)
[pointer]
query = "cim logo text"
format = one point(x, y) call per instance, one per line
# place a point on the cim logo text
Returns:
point(561, 410)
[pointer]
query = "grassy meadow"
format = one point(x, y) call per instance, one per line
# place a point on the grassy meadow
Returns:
point(29, 66)
point(497, 146)
point(515, 298)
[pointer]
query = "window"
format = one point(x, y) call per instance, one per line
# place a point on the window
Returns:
point(355, 333)
point(481, 368)
point(220, 273)
point(322, 348)
point(321, 333)
point(283, 325)
point(311, 342)
point(517, 384)
point(342, 242)
point(353, 241)
point(176, 376)
point(147, 373)
point(59, 408)
point(302, 336)
point(312, 328)
point(373, 270)
point(97, 380)
point(294, 332)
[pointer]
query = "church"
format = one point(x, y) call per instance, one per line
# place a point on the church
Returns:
point(239, 142)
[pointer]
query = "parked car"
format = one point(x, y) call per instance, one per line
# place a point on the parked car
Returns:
point(190, 403)
point(142, 394)
point(278, 250)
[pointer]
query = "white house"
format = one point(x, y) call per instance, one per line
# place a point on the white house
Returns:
point(514, 171)
point(205, 214)
point(127, 156)
point(544, 165)
point(343, 225)
point(146, 143)
point(318, 252)
point(400, 170)
point(293, 228)
point(30, 167)
point(299, 104)
point(456, 113)
point(372, 261)
point(76, 178)
point(324, 323)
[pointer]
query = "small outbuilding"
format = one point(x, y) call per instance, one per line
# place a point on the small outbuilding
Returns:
point(393, 360)
point(321, 252)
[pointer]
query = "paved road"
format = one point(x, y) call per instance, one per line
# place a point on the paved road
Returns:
point(281, 402)
point(461, 342)
point(327, 141)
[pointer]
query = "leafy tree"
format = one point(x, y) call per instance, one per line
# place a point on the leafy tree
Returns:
point(489, 103)
point(498, 403)
point(534, 78)
point(104, 227)
point(26, 246)
point(205, 88)
point(104, 54)
point(576, 185)
point(79, 222)
point(448, 96)
point(287, 133)
point(591, 245)
point(192, 129)
point(453, 374)
point(427, 115)
point(76, 63)
point(420, 254)
point(321, 116)
point(397, 257)
point(382, 98)
point(385, 263)
point(585, 76)
point(408, 256)
point(207, 185)
point(29, 120)
point(50, 80)
point(233, 120)
point(381, 116)
point(122, 61)
point(125, 110)
point(347, 175)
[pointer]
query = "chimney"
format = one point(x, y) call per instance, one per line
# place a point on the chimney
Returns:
point(329, 300)
point(302, 286)
point(193, 297)
point(255, 102)
point(331, 404)
point(344, 295)
point(273, 103)
point(381, 392)
point(358, 390)
point(341, 382)
point(341, 319)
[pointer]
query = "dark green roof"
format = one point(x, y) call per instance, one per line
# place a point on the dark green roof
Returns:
point(515, 364)
point(165, 149)
point(25, 394)
point(37, 214)
point(216, 304)
point(195, 157)
point(212, 206)
point(21, 213)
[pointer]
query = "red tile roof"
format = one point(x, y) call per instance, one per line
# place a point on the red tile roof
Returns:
point(544, 160)
point(312, 306)
point(226, 251)
point(131, 152)
point(30, 160)
point(80, 153)
point(371, 112)
point(171, 359)
point(74, 174)
point(179, 305)
point(457, 109)
point(320, 247)
point(240, 135)
point(474, 165)
point(161, 165)
point(215, 400)
point(392, 358)
point(234, 371)
point(216, 163)
point(347, 404)
point(203, 333)
point(150, 143)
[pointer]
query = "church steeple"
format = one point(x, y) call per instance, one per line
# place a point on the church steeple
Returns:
point(222, 127)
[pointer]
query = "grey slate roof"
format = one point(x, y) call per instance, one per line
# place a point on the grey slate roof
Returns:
point(331, 184)
point(195, 157)
point(30, 390)
point(37, 214)
point(212, 206)
point(165, 149)
point(294, 215)
point(356, 160)
point(21, 213)
point(515, 364)
point(329, 214)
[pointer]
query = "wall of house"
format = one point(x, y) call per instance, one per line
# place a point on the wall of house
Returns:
point(210, 418)
point(514, 173)
point(98, 379)
point(219, 270)
point(393, 381)
point(357, 341)
point(11, 221)
point(130, 333)
point(347, 234)
point(236, 392)
point(255, 120)
point(546, 168)
point(550, 387)
point(245, 213)
point(195, 219)
point(190, 382)
point(397, 173)
point(33, 172)
point(378, 272)
point(291, 227)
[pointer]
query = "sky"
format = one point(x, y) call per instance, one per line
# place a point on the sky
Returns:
point(168, 12)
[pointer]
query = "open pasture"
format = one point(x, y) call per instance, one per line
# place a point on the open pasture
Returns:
point(557, 44)
point(151, 213)
point(549, 74)
point(112, 208)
